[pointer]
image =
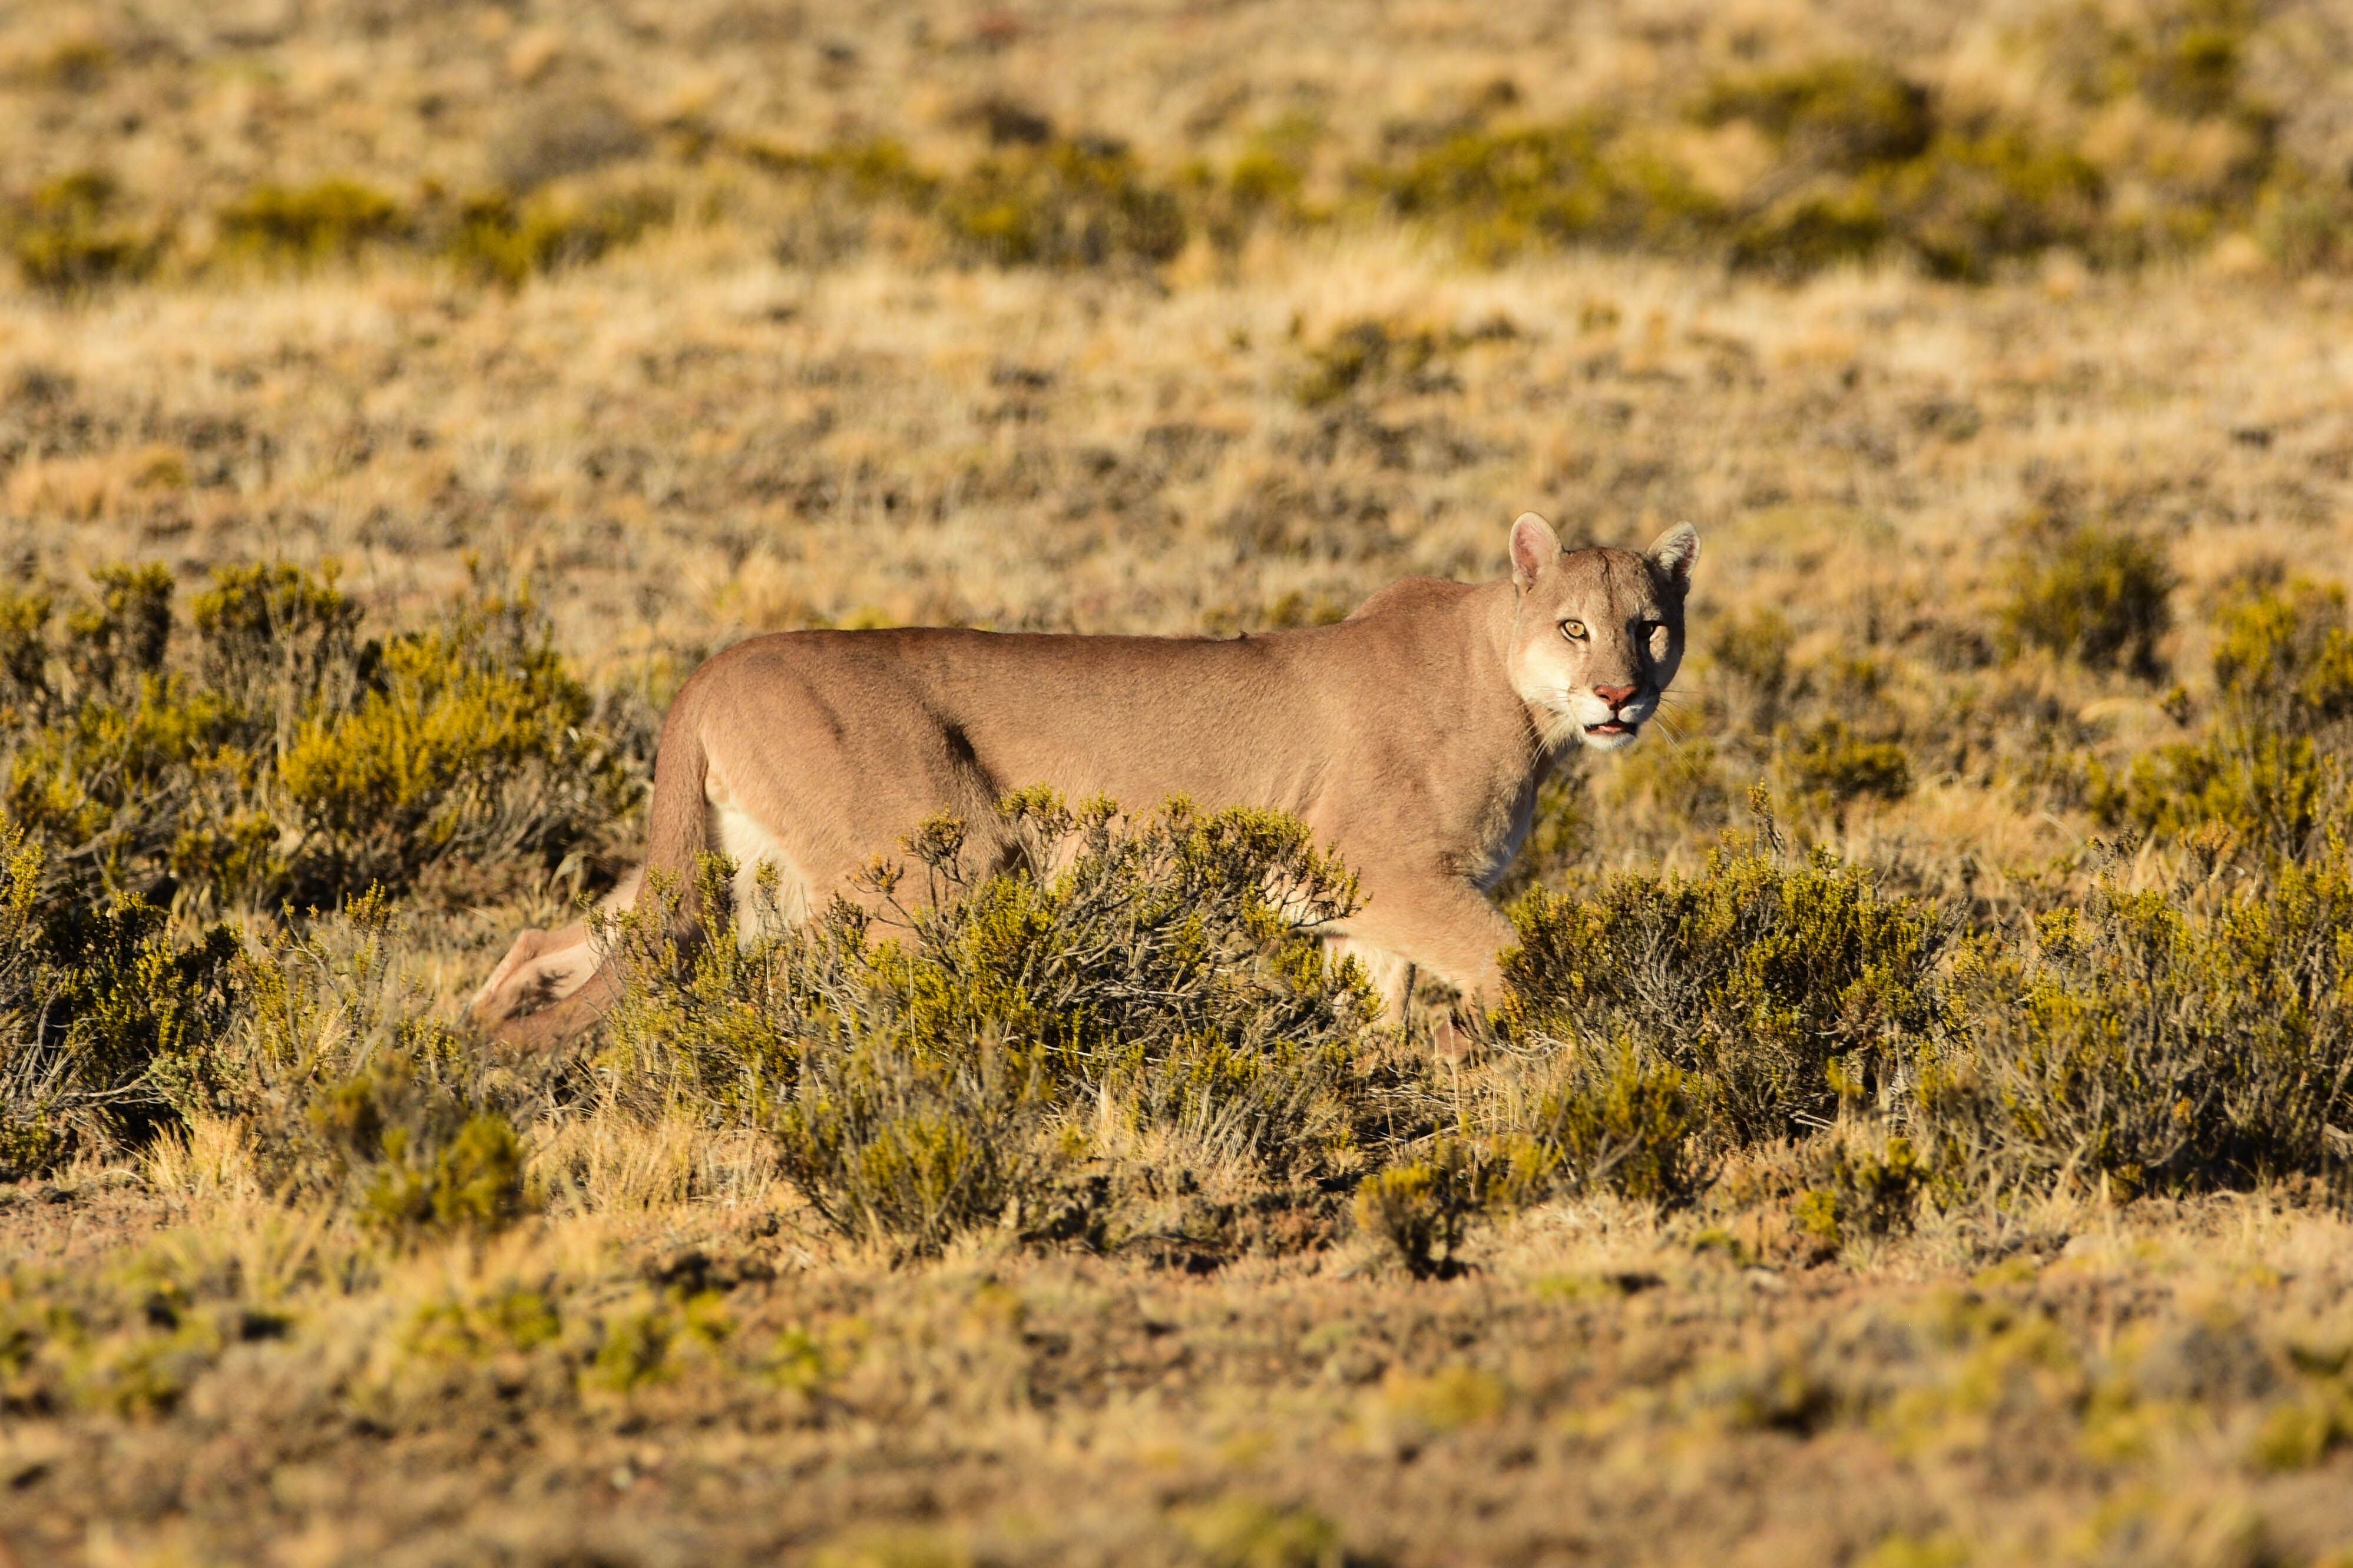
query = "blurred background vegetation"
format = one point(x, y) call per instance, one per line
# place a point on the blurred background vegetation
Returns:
point(1779, 139)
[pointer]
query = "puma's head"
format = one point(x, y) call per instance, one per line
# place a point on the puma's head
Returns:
point(1598, 633)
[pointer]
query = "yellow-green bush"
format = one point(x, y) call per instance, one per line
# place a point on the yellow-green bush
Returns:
point(1837, 114)
point(501, 239)
point(2271, 771)
point(1060, 202)
point(2102, 595)
point(129, 1339)
point(68, 237)
point(283, 759)
point(309, 223)
point(466, 741)
point(344, 1085)
point(1811, 230)
point(1862, 1189)
point(289, 758)
point(2145, 1043)
point(1570, 183)
point(96, 998)
point(1553, 1116)
point(922, 1083)
point(1835, 764)
point(1625, 1119)
point(1969, 201)
point(1073, 203)
point(907, 1145)
point(1421, 1210)
point(1782, 991)
point(1361, 352)
point(1863, 162)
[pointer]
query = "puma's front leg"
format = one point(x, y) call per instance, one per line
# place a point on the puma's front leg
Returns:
point(1443, 926)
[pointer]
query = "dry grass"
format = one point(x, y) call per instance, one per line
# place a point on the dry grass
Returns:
point(750, 401)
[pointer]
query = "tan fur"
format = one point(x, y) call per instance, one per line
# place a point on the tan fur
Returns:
point(1411, 738)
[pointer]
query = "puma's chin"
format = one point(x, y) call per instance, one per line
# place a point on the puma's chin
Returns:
point(1611, 734)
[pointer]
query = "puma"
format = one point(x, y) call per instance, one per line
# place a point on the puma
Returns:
point(1411, 738)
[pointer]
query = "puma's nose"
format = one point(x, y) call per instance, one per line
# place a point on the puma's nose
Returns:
point(1616, 696)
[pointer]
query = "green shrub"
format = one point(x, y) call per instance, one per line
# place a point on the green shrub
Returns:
point(24, 657)
point(1269, 175)
point(2305, 222)
point(466, 742)
point(288, 759)
point(2095, 594)
point(1811, 230)
point(2285, 660)
point(1550, 1116)
point(1364, 352)
point(1863, 163)
point(1508, 191)
point(1863, 1190)
point(891, 1141)
point(346, 1087)
point(1840, 114)
point(309, 223)
point(119, 636)
point(1780, 991)
point(471, 1328)
point(129, 1338)
point(97, 1001)
point(1072, 203)
point(2270, 772)
point(1833, 763)
point(1159, 978)
point(1057, 201)
point(1421, 1210)
point(500, 239)
point(1243, 1533)
point(2145, 1044)
point(472, 1178)
point(874, 171)
point(1625, 1119)
point(1970, 201)
point(276, 641)
point(2194, 68)
point(68, 238)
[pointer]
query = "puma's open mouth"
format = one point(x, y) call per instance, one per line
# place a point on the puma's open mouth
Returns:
point(1610, 727)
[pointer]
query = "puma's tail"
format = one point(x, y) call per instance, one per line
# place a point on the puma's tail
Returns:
point(678, 832)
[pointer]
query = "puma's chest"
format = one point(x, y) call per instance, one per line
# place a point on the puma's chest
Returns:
point(1504, 831)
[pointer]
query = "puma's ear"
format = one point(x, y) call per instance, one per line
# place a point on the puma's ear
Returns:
point(1673, 551)
point(1535, 546)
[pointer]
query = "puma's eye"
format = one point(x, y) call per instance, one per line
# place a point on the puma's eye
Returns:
point(1573, 630)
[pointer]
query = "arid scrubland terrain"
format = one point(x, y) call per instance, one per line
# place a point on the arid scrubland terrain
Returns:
point(1918, 1133)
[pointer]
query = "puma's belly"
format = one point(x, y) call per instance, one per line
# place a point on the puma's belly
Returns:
point(738, 835)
